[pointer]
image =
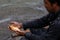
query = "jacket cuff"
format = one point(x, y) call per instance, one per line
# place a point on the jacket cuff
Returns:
point(28, 35)
point(24, 26)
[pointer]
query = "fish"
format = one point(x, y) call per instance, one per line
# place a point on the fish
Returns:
point(14, 28)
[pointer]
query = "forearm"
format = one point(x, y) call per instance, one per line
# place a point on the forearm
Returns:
point(38, 23)
point(52, 34)
point(32, 36)
point(40, 37)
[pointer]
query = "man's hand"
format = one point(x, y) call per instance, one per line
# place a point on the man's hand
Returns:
point(18, 31)
point(15, 27)
point(22, 32)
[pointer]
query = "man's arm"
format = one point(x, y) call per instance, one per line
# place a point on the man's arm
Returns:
point(42, 22)
point(44, 36)
point(53, 33)
point(31, 36)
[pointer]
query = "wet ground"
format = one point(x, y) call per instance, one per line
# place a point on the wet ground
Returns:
point(26, 11)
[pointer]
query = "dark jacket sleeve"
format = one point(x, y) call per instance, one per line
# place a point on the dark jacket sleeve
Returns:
point(40, 37)
point(38, 23)
point(53, 33)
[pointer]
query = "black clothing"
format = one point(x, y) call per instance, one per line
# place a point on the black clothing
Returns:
point(39, 32)
point(53, 33)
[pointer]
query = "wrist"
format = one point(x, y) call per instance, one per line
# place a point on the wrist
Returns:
point(26, 31)
point(28, 34)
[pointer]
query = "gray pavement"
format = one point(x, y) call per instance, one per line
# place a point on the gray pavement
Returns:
point(19, 10)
